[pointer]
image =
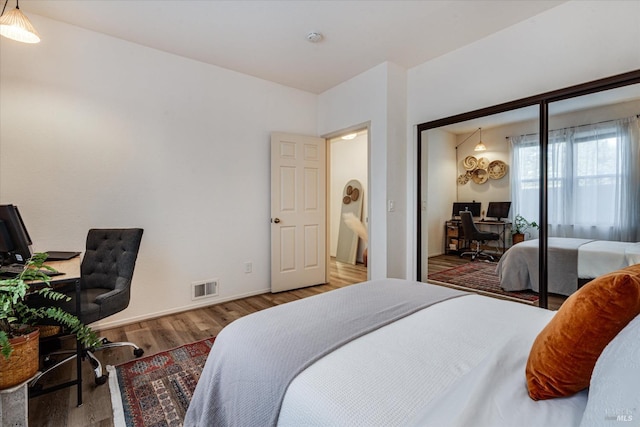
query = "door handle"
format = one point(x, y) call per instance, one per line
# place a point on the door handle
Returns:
point(277, 220)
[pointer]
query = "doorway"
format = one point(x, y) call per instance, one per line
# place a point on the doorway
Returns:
point(348, 186)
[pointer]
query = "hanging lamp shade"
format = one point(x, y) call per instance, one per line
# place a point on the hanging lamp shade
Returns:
point(480, 146)
point(16, 26)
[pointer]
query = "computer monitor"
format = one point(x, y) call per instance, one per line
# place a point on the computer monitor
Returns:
point(474, 207)
point(6, 244)
point(498, 210)
point(16, 242)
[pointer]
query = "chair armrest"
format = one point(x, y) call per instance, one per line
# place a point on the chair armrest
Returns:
point(122, 285)
point(100, 299)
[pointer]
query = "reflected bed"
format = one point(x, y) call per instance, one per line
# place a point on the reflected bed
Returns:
point(569, 259)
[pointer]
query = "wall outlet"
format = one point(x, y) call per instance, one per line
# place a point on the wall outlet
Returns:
point(248, 267)
point(205, 288)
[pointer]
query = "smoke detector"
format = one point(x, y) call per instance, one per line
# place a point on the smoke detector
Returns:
point(314, 37)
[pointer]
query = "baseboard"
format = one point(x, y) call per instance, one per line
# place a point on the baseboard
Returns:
point(122, 322)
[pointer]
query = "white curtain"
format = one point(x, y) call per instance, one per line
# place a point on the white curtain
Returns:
point(594, 180)
point(525, 178)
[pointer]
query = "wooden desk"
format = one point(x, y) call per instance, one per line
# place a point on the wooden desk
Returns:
point(71, 270)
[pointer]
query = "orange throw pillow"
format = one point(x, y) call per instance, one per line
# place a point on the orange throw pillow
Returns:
point(565, 352)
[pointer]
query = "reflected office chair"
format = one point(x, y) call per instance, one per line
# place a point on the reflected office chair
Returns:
point(471, 233)
point(105, 282)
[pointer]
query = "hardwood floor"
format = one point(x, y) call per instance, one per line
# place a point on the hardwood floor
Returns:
point(445, 262)
point(59, 408)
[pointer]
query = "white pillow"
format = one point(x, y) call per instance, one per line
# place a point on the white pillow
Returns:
point(614, 390)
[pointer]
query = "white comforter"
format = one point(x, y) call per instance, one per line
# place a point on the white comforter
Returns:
point(458, 363)
point(602, 256)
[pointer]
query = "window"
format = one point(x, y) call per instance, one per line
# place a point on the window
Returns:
point(592, 180)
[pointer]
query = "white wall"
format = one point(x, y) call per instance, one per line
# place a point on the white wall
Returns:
point(573, 43)
point(360, 100)
point(438, 188)
point(348, 161)
point(397, 172)
point(492, 190)
point(576, 42)
point(99, 132)
point(377, 97)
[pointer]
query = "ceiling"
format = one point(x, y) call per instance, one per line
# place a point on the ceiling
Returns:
point(268, 39)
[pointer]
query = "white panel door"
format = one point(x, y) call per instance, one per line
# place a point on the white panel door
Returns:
point(298, 211)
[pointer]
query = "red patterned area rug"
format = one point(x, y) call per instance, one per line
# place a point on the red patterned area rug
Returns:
point(156, 390)
point(480, 277)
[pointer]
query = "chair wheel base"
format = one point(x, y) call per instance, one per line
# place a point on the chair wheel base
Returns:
point(138, 352)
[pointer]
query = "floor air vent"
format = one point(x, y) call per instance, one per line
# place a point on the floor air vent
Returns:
point(204, 289)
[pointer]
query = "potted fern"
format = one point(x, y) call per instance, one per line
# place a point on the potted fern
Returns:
point(19, 349)
point(520, 227)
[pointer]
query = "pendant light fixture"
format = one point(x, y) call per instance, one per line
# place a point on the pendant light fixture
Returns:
point(15, 25)
point(480, 146)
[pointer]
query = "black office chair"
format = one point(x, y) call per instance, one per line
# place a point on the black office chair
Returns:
point(105, 281)
point(471, 233)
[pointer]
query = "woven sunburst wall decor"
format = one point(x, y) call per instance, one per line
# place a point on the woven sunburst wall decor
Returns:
point(481, 170)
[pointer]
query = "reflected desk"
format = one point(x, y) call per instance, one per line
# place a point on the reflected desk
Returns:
point(71, 276)
point(455, 241)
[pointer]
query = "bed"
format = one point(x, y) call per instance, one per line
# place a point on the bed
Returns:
point(380, 353)
point(568, 260)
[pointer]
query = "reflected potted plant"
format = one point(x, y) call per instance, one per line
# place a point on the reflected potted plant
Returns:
point(520, 227)
point(19, 335)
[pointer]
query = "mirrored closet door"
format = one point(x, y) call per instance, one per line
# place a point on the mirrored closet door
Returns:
point(567, 161)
